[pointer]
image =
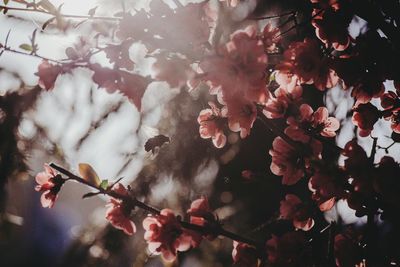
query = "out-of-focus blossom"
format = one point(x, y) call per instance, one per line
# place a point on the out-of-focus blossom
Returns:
point(232, 3)
point(292, 208)
point(270, 37)
point(238, 67)
point(244, 255)
point(48, 74)
point(201, 214)
point(287, 250)
point(165, 235)
point(49, 182)
point(211, 122)
point(305, 60)
point(364, 117)
point(174, 70)
point(118, 212)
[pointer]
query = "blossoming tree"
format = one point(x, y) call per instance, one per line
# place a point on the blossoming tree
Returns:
point(260, 71)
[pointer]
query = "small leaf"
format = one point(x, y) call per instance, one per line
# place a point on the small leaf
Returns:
point(90, 194)
point(92, 11)
point(26, 47)
point(104, 184)
point(6, 1)
point(89, 174)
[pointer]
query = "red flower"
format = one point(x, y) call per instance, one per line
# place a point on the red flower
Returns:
point(331, 24)
point(325, 190)
point(364, 117)
point(292, 208)
point(201, 214)
point(165, 235)
point(49, 182)
point(118, 212)
point(48, 74)
point(391, 103)
point(244, 255)
point(211, 121)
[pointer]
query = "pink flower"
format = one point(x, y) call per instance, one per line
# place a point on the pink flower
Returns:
point(165, 235)
point(244, 255)
point(270, 37)
point(201, 214)
point(49, 182)
point(241, 115)
point(238, 67)
point(284, 103)
point(292, 208)
point(118, 212)
point(292, 162)
point(364, 117)
point(314, 123)
point(211, 121)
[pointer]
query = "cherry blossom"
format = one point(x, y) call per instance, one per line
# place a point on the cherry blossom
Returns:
point(325, 189)
point(238, 67)
point(165, 235)
point(283, 103)
point(364, 117)
point(241, 115)
point(244, 255)
point(292, 208)
point(201, 214)
point(49, 182)
point(331, 21)
point(391, 104)
point(48, 74)
point(314, 123)
point(270, 37)
point(211, 121)
point(118, 212)
point(290, 162)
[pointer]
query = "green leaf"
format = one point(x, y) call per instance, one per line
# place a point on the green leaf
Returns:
point(26, 47)
point(89, 174)
point(6, 1)
point(104, 184)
